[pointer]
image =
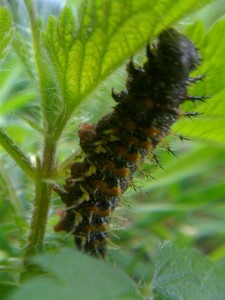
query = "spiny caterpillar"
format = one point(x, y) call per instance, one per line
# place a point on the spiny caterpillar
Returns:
point(117, 145)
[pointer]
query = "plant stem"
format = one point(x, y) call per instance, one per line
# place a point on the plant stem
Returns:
point(42, 199)
point(45, 169)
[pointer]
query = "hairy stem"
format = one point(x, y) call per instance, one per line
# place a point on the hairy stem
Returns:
point(42, 199)
point(46, 167)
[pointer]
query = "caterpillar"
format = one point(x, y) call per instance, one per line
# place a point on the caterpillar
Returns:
point(116, 146)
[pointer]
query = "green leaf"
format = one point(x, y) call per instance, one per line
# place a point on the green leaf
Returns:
point(186, 274)
point(32, 123)
point(23, 48)
point(16, 153)
point(195, 162)
point(16, 101)
point(84, 51)
point(10, 193)
point(210, 125)
point(5, 30)
point(72, 275)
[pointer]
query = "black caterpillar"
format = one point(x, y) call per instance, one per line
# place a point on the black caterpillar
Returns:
point(117, 145)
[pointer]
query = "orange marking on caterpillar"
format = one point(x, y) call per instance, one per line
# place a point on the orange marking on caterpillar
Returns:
point(102, 186)
point(114, 191)
point(121, 151)
point(132, 140)
point(97, 243)
point(151, 131)
point(77, 170)
point(149, 103)
point(122, 172)
point(99, 211)
point(146, 145)
point(130, 125)
point(86, 133)
point(107, 164)
point(135, 157)
point(62, 223)
point(93, 228)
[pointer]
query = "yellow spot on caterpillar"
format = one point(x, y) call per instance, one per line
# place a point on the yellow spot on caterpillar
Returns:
point(100, 149)
point(85, 196)
point(112, 138)
point(110, 131)
point(99, 142)
point(78, 218)
point(91, 170)
point(111, 134)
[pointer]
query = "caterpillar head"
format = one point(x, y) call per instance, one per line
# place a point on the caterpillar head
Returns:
point(176, 54)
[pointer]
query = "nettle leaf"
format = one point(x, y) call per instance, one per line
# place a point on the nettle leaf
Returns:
point(77, 276)
point(210, 125)
point(16, 153)
point(186, 274)
point(23, 48)
point(87, 49)
point(5, 30)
